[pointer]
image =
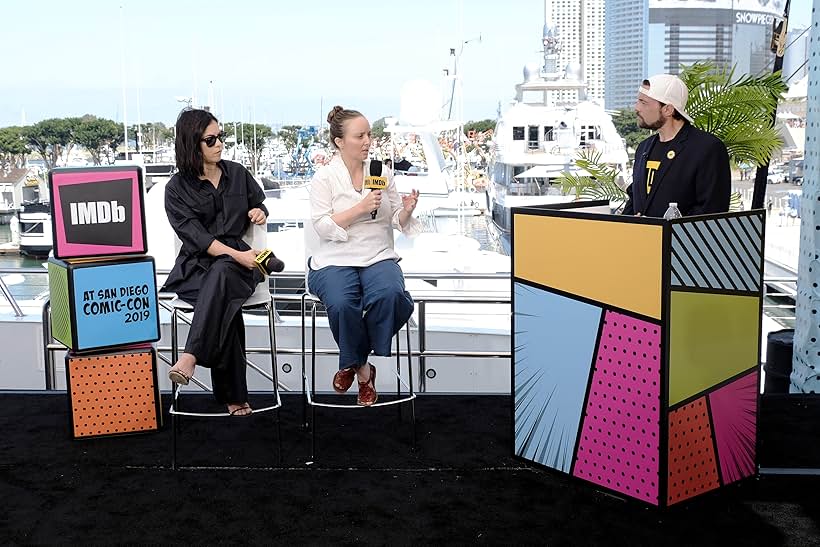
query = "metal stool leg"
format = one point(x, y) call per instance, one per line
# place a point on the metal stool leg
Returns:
point(275, 375)
point(174, 357)
point(313, 383)
point(304, 349)
point(412, 389)
point(398, 371)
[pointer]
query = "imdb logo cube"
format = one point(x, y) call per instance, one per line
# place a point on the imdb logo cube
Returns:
point(113, 393)
point(98, 305)
point(97, 211)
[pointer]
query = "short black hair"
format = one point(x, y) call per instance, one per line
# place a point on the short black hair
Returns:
point(191, 125)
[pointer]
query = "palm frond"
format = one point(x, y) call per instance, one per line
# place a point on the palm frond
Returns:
point(736, 110)
point(735, 202)
point(598, 183)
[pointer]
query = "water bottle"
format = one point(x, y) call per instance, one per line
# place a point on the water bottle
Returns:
point(673, 212)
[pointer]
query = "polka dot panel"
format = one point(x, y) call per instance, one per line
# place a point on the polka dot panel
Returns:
point(806, 359)
point(112, 394)
point(619, 445)
point(692, 462)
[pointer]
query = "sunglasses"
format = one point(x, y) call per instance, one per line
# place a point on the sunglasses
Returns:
point(210, 140)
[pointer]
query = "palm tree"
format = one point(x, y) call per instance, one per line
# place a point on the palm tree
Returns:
point(738, 111)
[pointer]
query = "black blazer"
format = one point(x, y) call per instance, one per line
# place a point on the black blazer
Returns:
point(698, 178)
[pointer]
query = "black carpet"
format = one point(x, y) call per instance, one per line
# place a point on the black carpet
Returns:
point(460, 486)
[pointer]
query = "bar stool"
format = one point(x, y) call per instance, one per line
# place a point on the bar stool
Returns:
point(311, 301)
point(256, 237)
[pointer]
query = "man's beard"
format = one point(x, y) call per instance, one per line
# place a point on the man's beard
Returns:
point(653, 126)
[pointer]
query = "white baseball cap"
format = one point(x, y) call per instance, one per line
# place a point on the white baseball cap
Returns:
point(668, 89)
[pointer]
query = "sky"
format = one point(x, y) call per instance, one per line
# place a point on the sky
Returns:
point(269, 61)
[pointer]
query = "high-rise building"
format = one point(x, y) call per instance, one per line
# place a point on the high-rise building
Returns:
point(580, 25)
point(732, 33)
point(626, 45)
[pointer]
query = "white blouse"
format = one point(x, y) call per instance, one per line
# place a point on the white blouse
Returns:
point(366, 241)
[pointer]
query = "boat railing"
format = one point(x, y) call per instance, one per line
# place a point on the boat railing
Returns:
point(10, 297)
point(779, 304)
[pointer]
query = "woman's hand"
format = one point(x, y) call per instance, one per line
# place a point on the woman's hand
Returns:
point(246, 258)
point(257, 215)
point(409, 202)
point(371, 202)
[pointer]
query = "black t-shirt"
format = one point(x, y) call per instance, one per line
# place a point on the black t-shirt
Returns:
point(659, 153)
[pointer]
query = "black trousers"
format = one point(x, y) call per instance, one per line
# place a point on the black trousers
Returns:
point(217, 334)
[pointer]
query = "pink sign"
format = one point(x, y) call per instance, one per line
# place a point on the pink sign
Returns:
point(97, 211)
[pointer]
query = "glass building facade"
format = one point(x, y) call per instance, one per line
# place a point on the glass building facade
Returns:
point(681, 32)
point(626, 45)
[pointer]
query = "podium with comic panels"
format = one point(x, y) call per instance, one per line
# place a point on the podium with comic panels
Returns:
point(637, 347)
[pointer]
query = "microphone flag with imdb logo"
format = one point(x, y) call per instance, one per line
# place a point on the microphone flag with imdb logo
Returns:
point(375, 181)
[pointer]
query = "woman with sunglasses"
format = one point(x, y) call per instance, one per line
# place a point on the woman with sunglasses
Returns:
point(354, 270)
point(210, 203)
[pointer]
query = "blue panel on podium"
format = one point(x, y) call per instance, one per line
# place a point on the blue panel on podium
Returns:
point(104, 304)
point(555, 340)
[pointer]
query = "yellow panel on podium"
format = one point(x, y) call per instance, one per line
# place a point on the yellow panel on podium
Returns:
point(636, 348)
point(589, 259)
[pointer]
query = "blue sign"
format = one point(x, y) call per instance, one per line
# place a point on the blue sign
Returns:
point(115, 304)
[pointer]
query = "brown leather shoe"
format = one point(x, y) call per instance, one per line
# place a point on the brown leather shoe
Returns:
point(367, 390)
point(343, 379)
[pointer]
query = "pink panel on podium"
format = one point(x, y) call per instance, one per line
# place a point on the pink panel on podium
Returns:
point(733, 418)
point(619, 443)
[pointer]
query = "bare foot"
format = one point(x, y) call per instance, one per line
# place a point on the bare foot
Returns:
point(363, 373)
point(186, 364)
point(240, 409)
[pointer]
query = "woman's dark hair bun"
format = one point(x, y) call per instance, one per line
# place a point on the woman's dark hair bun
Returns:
point(336, 110)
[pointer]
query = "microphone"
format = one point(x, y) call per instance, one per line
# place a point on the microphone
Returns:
point(375, 181)
point(267, 263)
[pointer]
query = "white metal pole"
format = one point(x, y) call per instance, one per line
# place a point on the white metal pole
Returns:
point(806, 357)
point(122, 72)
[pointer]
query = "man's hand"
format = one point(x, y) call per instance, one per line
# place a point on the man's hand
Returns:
point(257, 215)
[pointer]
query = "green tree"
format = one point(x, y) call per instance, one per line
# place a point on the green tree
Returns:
point(256, 142)
point(479, 126)
point(12, 145)
point(152, 135)
point(97, 135)
point(289, 135)
point(50, 138)
point(626, 123)
point(377, 129)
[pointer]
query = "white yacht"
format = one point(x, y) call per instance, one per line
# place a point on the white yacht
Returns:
point(429, 172)
point(35, 228)
point(539, 136)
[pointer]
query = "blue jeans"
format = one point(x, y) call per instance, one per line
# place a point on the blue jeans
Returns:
point(366, 307)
